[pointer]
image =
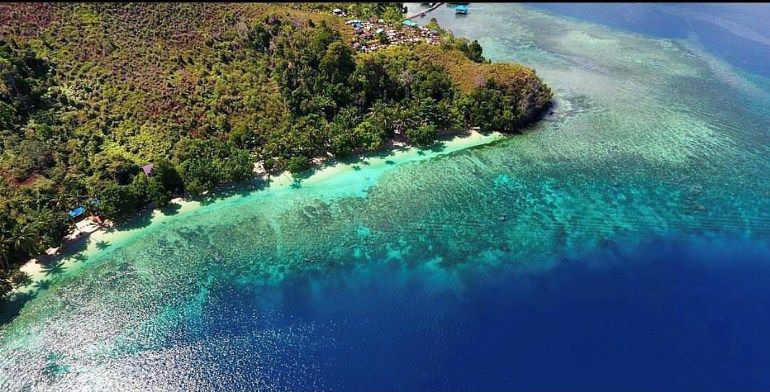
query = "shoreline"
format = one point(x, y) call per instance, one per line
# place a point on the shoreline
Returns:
point(70, 255)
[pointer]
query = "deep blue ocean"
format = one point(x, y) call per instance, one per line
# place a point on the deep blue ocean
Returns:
point(667, 315)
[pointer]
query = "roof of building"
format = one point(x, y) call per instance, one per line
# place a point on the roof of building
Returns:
point(75, 212)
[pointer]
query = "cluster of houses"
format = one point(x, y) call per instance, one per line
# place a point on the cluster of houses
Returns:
point(375, 33)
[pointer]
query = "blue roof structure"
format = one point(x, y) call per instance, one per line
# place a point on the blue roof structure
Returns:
point(76, 212)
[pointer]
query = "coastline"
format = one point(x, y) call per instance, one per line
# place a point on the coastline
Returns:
point(318, 178)
point(573, 256)
point(236, 161)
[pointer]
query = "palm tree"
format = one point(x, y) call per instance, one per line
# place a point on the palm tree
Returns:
point(22, 238)
point(6, 244)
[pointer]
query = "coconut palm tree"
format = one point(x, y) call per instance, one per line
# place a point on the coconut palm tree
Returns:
point(6, 245)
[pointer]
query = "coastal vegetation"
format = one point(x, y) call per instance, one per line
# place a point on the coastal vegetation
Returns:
point(92, 93)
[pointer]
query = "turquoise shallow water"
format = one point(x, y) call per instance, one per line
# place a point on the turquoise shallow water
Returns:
point(625, 234)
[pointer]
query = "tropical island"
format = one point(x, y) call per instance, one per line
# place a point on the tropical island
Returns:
point(108, 108)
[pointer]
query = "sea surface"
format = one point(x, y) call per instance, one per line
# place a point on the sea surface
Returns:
point(622, 244)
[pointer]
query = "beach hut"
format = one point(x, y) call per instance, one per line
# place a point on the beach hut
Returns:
point(76, 212)
point(147, 169)
point(409, 23)
point(461, 9)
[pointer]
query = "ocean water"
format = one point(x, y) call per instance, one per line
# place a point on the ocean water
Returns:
point(736, 33)
point(621, 244)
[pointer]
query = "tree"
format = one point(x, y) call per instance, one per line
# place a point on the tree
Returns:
point(150, 190)
point(492, 107)
point(297, 164)
point(110, 168)
point(423, 135)
point(237, 165)
point(340, 134)
point(474, 52)
point(433, 25)
point(165, 172)
point(336, 64)
point(5, 285)
point(118, 202)
point(260, 38)
point(370, 134)
point(156, 193)
point(433, 83)
point(198, 175)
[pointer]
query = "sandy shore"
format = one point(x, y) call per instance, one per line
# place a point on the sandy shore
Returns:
point(94, 238)
point(87, 239)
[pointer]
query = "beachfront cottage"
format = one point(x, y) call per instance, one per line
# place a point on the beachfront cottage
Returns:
point(147, 169)
point(76, 213)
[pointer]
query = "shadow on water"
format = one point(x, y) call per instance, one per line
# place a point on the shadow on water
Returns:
point(11, 307)
point(437, 147)
point(141, 219)
point(54, 268)
point(25, 281)
point(297, 178)
point(239, 189)
point(171, 209)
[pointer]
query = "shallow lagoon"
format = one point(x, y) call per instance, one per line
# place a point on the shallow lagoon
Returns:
point(622, 244)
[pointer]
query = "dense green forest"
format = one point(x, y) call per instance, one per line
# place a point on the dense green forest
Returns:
point(91, 92)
